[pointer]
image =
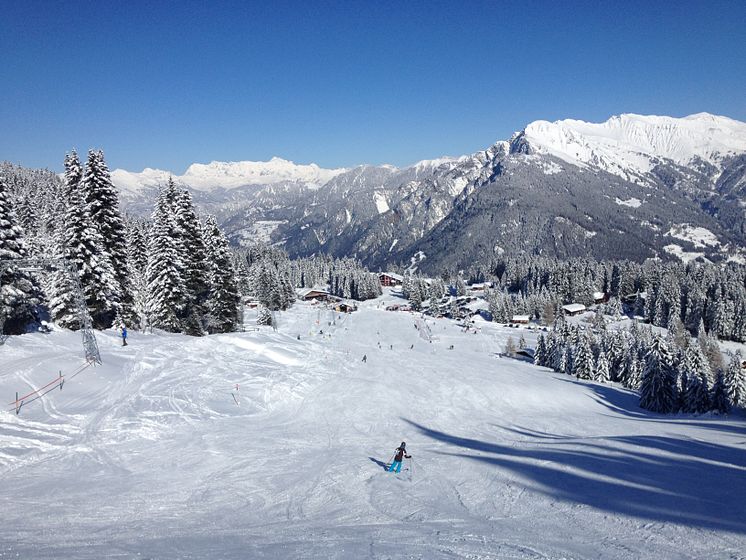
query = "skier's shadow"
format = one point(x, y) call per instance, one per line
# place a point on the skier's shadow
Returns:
point(381, 464)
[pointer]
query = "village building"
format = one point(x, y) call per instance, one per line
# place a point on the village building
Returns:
point(520, 319)
point(344, 307)
point(390, 279)
point(308, 294)
point(573, 308)
point(600, 297)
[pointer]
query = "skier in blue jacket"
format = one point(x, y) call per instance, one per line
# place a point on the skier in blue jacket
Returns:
point(124, 336)
point(401, 453)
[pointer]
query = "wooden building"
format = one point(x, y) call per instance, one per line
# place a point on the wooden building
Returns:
point(573, 308)
point(308, 294)
point(390, 279)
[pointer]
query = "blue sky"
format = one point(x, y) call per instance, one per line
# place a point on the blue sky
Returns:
point(164, 84)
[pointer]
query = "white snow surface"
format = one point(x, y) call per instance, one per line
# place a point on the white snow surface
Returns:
point(679, 252)
point(699, 236)
point(149, 456)
point(229, 175)
point(381, 204)
point(633, 143)
point(632, 202)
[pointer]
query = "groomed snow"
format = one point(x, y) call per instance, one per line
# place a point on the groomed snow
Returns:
point(150, 456)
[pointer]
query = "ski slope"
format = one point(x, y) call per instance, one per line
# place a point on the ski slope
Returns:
point(150, 455)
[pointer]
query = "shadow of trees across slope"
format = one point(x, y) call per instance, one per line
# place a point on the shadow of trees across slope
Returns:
point(624, 402)
point(657, 478)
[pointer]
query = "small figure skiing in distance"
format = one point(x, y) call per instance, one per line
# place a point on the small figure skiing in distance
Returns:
point(365, 358)
point(124, 335)
point(399, 455)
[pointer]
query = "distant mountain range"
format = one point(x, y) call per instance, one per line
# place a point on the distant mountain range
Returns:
point(632, 187)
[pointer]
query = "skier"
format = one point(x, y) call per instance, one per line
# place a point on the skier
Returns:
point(365, 358)
point(401, 453)
point(124, 336)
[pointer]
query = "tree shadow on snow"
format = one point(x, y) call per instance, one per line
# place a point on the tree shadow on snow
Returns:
point(381, 464)
point(626, 402)
point(659, 478)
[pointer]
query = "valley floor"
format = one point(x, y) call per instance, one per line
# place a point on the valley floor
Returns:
point(155, 454)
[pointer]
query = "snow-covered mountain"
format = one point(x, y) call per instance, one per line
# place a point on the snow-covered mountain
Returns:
point(631, 144)
point(229, 175)
point(615, 189)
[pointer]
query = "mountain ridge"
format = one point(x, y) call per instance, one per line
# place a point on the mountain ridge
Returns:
point(581, 188)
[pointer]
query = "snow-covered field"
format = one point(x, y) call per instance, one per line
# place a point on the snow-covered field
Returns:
point(150, 456)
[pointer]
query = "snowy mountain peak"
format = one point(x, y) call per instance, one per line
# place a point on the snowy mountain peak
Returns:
point(240, 173)
point(229, 175)
point(634, 143)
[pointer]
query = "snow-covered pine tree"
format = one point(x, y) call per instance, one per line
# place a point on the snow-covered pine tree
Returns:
point(84, 247)
point(540, 355)
point(657, 387)
point(696, 396)
point(223, 299)
point(614, 308)
point(566, 363)
point(735, 380)
point(264, 316)
point(696, 376)
point(60, 292)
point(415, 297)
point(102, 204)
point(137, 262)
point(18, 292)
point(167, 299)
point(510, 348)
point(601, 373)
point(460, 286)
point(720, 401)
point(630, 374)
point(583, 362)
point(195, 252)
point(599, 321)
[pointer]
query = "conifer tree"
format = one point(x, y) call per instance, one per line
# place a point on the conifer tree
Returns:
point(264, 316)
point(566, 363)
point(84, 247)
point(62, 305)
point(196, 271)
point(167, 299)
point(657, 387)
point(540, 355)
point(583, 362)
point(102, 205)
point(601, 373)
point(223, 298)
point(17, 289)
point(735, 380)
point(720, 402)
